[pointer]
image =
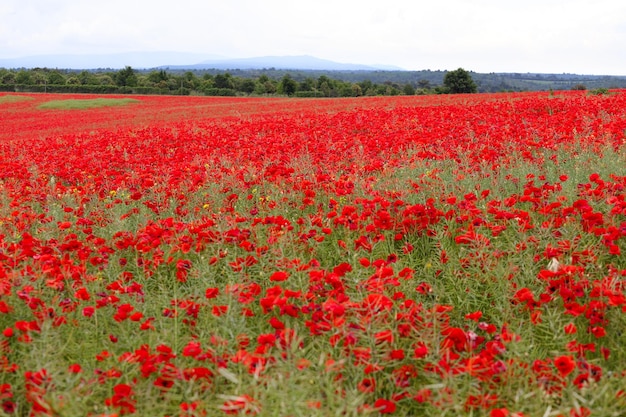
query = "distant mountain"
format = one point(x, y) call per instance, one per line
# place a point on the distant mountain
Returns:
point(183, 61)
point(113, 61)
point(299, 62)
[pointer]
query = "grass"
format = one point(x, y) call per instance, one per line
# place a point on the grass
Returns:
point(11, 98)
point(82, 104)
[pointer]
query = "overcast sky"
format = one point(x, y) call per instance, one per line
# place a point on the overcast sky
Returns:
point(557, 36)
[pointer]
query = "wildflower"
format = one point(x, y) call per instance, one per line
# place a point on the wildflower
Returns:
point(367, 385)
point(475, 316)
point(123, 398)
point(570, 328)
point(241, 404)
point(564, 364)
point(75, 368)
point(211, 292)
point(385, 406)
point(279, 276)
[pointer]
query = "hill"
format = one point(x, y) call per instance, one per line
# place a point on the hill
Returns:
point(303, 62)
point(183, 61)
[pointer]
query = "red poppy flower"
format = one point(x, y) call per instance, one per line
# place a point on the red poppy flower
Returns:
point(570, 328)
point(279, 276)
point(385, 406)
point(475, 316)
point(367, 385)
point(211, 292)
point(421, 351)
point(564, 364)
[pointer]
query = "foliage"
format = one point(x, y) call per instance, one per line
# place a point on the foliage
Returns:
point(459, 81)
point(126, 77)
point(599, 91)
point(311, 83)
point(432, 255)
point(287, 86)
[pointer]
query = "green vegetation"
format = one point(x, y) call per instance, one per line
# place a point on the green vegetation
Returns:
point(459, 82)
point(86, 104)
point(599, 91)
point(296, 83)
point(10, 98)
point(210, 83)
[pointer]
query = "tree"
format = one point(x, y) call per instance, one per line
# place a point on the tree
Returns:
point(224, 80)
point(105, 79)
point(288, 85)
point(408, 90)
point(56, 78)
point(423, 84)
point(265, 85)
point(459, 81)
point(39, 77)
point(87, 78)
point(190, 80)
point(248, 86)
point(23, 77)
point(308, 84)
point(7, 77)
point(156, 77)
point(366, 87)
point(126, 77)
point(72, 80)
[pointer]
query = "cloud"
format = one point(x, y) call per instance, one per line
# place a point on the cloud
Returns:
point(487, 35)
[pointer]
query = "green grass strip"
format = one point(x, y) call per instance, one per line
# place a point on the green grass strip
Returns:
point(11, 98)
point(76, 104)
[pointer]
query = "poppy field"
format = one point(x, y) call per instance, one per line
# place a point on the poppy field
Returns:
point(459, 255)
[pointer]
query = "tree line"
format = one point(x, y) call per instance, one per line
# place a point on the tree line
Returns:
point(161, 81)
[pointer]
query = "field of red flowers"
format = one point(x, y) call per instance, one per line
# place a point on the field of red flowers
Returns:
point(433, 255)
